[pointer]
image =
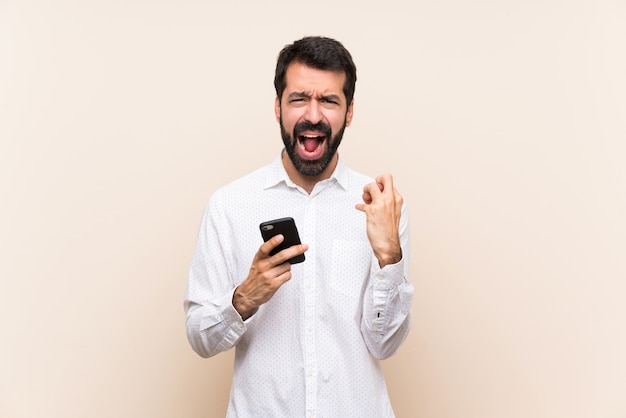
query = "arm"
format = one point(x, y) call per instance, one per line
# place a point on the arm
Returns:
point(386, 319)
point(218, 310)
point(213, 325)
point(386, 316)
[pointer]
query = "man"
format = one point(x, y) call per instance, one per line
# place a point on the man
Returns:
point(308, 336)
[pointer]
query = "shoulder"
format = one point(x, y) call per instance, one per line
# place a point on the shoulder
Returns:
point(243, 188)
point(358, 177)
point(352, 180)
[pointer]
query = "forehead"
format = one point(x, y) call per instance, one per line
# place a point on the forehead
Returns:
point(301, 78)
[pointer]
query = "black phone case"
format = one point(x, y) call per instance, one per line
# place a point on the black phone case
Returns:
point(286, 227)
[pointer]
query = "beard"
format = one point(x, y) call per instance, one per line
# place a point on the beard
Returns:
point(312, 168)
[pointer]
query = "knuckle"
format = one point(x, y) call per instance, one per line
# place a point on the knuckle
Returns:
point(280, 258)
point(263, 265)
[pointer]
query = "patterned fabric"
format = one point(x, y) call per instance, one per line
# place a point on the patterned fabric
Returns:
point(313, 349)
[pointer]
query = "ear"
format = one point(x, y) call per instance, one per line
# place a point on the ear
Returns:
point(350, 113)
point(277, 109)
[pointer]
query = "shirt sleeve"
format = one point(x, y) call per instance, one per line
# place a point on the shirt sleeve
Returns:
point(212, 323)
point(386, 319)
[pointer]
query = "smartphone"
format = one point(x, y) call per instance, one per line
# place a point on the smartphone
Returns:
point(286, 227)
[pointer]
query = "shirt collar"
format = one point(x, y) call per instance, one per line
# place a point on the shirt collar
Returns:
point(277, 174)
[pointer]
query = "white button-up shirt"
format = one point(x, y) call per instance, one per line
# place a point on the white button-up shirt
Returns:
point(313, 348)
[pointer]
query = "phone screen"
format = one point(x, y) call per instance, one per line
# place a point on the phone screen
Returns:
point(286, 227)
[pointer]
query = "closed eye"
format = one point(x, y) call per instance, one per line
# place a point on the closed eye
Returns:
point(330, 99)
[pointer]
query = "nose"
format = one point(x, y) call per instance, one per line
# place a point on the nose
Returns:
point(313, 112)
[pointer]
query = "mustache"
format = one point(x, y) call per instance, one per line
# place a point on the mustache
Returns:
point(308, 126)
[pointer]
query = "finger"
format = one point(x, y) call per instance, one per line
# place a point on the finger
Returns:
point(288, 253)
point(367, 200)
point(386, 182)
point(284, 275)
point(270, 244)
point(373, 190)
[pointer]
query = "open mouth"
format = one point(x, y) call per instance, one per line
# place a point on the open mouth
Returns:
point(312, 140)
point(311, 143)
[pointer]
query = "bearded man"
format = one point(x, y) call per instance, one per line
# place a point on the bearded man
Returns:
point(308, 337)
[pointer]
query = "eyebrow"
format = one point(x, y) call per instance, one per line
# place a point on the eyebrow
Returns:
point(301, 94)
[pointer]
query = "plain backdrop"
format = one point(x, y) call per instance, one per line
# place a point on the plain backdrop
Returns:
point(503, 122)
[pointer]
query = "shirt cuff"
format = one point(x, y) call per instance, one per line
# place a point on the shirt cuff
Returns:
point(388, 277)
point(228, 319)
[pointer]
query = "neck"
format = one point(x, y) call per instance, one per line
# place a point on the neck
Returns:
point(307, 182)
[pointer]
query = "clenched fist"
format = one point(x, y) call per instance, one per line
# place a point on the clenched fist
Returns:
point(382, 205)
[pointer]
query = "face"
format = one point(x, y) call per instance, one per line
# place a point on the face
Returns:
point(313, 114)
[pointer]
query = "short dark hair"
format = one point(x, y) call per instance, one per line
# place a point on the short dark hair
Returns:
point(316, 52)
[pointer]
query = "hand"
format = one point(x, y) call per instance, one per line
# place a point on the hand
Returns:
point(267, 275)
point(383, 206)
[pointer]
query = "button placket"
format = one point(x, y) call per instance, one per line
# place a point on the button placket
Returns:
point(310, 354)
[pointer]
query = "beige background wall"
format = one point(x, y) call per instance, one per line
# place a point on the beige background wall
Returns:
point(503, 121)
